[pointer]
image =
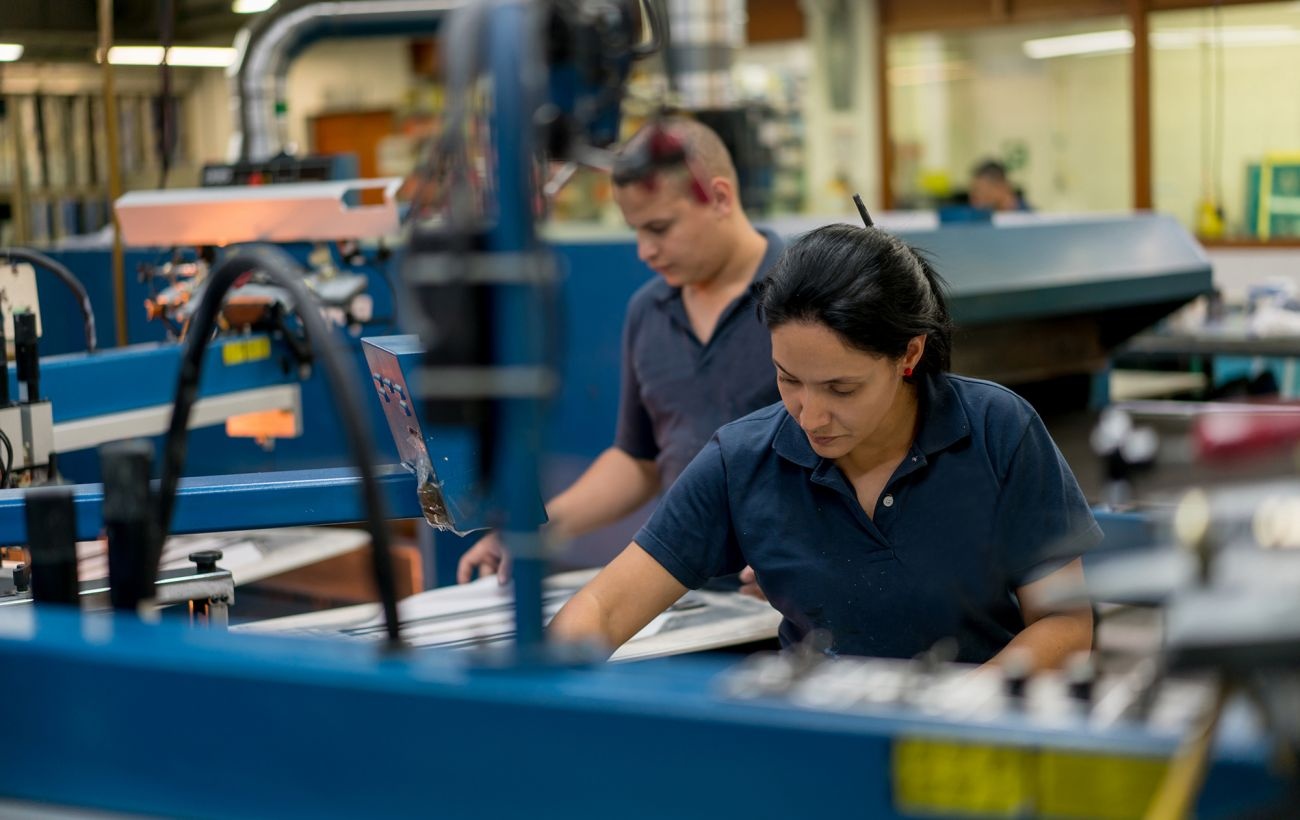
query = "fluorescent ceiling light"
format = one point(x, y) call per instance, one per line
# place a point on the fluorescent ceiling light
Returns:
point(1228, 36)
point(1096, 42)
point(1111, 42)
point(9, 52)
point(135, 55)
point(198, 56)
point(202, 56)
point(251, 6)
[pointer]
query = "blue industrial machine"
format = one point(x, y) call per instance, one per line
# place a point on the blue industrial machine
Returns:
point(325, 729)
point(98, 392)
point(328, 730)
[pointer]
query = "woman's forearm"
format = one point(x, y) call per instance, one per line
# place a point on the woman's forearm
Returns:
point(581, 620)
point(1052, 639)
point(618, 602)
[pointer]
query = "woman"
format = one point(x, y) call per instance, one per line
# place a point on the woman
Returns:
point(882, 501)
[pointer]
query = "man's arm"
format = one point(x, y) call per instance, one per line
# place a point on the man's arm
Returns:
point(618, 602)
point(615, 485)
point(1051, 635)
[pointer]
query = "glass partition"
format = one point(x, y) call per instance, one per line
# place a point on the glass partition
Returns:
point(1051, 103)
point(1226, 119)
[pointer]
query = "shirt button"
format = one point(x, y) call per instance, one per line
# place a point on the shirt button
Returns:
point(888, 501)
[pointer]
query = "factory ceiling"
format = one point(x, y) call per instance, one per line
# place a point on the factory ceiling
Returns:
point(68, 30)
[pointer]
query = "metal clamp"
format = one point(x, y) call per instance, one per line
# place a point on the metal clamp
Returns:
point(208, 591)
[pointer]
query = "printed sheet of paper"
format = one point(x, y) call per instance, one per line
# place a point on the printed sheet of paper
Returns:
point(481, 614)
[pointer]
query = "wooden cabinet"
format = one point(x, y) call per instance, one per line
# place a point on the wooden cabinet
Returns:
point(353, 132)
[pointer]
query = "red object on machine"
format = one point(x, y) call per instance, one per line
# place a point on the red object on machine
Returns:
point(1245, 431)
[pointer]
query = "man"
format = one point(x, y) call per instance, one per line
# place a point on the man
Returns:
point(695, 355)
point(991, 189)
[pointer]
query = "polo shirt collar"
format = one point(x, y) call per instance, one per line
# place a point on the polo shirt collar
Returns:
point(944, 419)
point(944, 422)
point(665, 293)
point(791, 443)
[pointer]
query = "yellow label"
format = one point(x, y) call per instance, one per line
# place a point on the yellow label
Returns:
point(943, 777)
point(253, 349)
point(1106, 787)
point(938, 777)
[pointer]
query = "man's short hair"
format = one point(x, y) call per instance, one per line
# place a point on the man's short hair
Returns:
point(707, 154)
point(991, 169)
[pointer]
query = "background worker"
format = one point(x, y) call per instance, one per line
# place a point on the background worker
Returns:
point(694, 353)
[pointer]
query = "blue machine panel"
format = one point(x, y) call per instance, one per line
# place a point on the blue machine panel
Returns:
point(319, 729)
point(144, 375)
point(1043, 267)
point(237, 502)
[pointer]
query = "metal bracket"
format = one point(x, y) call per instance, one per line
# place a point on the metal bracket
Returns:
point(291, 212)
point(212, 590)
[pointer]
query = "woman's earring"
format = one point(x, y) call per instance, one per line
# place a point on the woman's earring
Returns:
point(907, 372)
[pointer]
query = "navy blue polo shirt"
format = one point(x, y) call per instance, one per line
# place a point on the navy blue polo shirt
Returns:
point(982, 504)
point(676, 391)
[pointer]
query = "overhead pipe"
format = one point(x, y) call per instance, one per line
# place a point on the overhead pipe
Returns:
point(266, 47)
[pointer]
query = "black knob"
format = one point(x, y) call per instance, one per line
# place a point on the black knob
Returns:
point(1017, 668)
point(51, 514)
point(1081, 690)
point(129, 522)
point(1081, 674)
point(1015, 686)
point(22, 577)
point(205, 560)
point(27, 357)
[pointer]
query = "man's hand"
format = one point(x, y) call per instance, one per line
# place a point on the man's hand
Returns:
point(487, 556)
point(749, 584)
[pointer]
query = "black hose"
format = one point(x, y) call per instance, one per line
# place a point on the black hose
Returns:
point(6, 481)
point(282, 271)
point(40, 260)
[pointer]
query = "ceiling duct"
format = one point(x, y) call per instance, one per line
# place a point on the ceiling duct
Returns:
point(266, 47)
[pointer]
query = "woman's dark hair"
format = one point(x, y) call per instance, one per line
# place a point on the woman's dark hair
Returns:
point(874, 291)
